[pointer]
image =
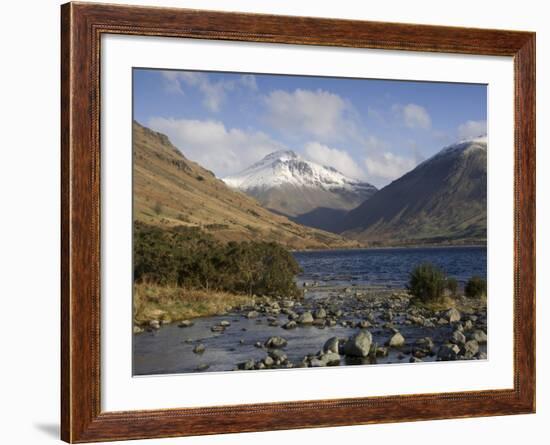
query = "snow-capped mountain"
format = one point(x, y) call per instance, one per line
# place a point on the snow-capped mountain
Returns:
point(288, 168)
point(287, 183)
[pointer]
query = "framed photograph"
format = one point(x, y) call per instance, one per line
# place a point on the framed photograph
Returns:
point(274, 222)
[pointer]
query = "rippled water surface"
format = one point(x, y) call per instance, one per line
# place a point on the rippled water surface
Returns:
point(389, 267)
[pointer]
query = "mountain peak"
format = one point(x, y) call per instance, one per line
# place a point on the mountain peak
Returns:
point(290, 184)
point(281, 155)
point(478, 142)
point(461, 147)
point(286, 167)
point(480, 139)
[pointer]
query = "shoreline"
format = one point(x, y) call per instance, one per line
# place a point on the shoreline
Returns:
point(321, 290)
point(330, 326)
point(419, 246)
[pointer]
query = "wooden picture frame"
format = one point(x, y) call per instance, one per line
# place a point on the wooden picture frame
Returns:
point(82, 25)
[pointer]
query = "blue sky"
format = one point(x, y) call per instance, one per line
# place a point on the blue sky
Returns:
point(375, 130)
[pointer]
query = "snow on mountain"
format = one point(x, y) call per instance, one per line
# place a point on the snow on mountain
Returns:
point(286, 168)
point(476, 143)
point(306, 192)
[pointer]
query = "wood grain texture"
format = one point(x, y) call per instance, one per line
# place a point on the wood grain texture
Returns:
point(81, 28)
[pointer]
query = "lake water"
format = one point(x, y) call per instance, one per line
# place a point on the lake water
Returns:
point(389, 267)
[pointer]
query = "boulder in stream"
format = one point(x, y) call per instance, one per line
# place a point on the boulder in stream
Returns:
point(305, 318)
point(358, 345)
point(396, 341)
point(275, 342)
point(199, 349)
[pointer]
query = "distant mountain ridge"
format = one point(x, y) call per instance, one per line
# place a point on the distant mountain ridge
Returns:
point(170, 190)
point(285, 182)
point(442, 200)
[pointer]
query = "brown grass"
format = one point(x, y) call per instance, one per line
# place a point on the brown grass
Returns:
point(463, 304)
point(438, 305)
point(166, 303)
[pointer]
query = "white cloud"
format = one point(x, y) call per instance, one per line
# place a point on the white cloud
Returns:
point(472, 129)
point(318, 113)
point(442, 137)
point(385, 167)
point(374, 113)
point(215, 147)
point(249, 81)
point(332, 157)
point(374, 144)
point(416, 152)
point(171, 82)
point(214, 93)
point(413, 116)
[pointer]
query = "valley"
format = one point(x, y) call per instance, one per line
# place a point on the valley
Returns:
point(442, 201)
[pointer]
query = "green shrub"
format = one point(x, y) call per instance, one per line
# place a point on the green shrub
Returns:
point(190, 258)
point(452, 285)
point(427, 283)
point(475, 287)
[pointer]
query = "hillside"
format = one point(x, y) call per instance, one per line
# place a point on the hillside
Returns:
point(443, 200)
point(170, 190)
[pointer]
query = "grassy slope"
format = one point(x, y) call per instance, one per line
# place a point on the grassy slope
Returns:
point(171, 190)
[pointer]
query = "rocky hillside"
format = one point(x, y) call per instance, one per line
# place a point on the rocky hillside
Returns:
point(443, 200)
point(171, 190)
